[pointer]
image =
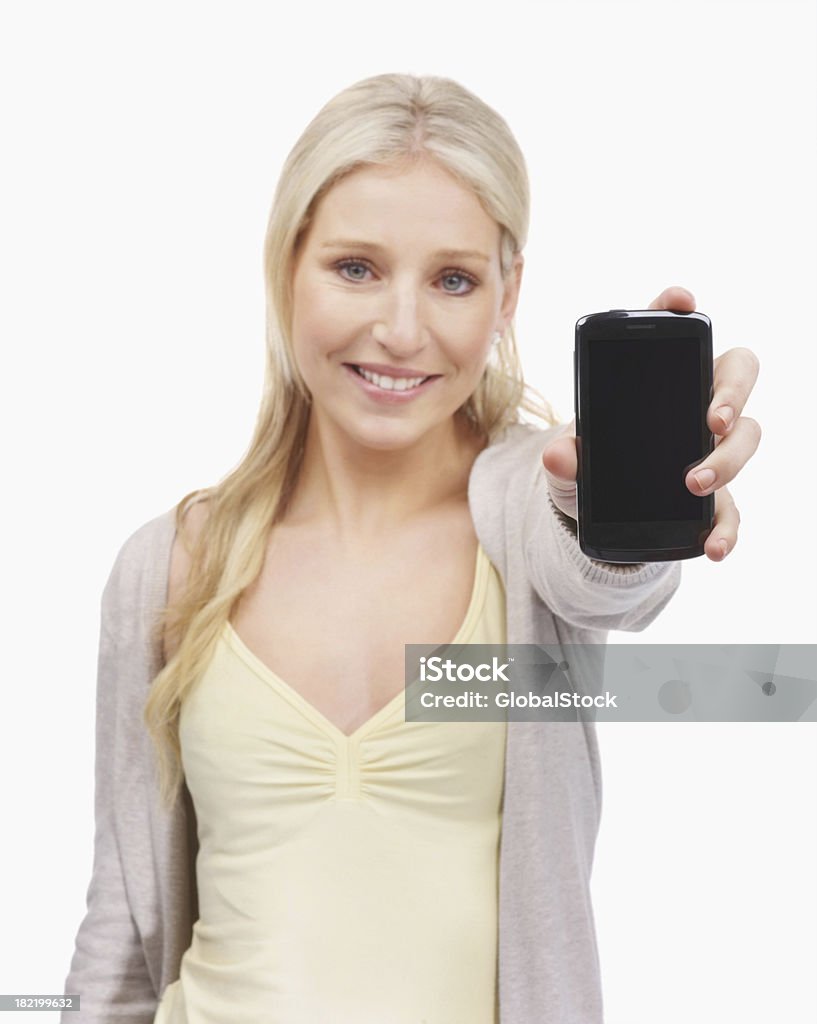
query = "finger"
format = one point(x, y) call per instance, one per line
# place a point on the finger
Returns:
point(727, 460)
point(559, 458)
point(735, 374)
point(676, 298)
point(724, 528)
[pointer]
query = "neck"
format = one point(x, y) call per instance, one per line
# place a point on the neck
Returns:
point(361, 493)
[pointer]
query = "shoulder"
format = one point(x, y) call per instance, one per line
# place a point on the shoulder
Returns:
point(149, 570)
point(139, 570)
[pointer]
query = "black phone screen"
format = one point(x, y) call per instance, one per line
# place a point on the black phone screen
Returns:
point(645, 401)
point(643, 383)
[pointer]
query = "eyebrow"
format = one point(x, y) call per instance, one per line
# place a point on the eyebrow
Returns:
point(356, 243)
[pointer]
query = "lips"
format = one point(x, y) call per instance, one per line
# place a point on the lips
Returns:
point(392, 371)
point(388, 395)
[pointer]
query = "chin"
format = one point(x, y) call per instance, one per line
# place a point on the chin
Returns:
point(383, 435)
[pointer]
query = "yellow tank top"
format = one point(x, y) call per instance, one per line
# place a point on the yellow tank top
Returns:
point(343, 879)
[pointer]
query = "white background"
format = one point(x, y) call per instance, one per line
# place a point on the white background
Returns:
point(667, 143)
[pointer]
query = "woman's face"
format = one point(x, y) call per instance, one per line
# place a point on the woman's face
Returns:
point(398, 275)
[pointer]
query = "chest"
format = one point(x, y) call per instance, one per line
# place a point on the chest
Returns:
point(333, 626)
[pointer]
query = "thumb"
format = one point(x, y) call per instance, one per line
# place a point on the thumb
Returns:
point(560, 465)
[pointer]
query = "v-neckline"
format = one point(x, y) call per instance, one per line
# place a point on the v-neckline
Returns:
point(306, 707)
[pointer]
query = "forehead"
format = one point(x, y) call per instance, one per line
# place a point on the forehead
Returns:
point(422, 203)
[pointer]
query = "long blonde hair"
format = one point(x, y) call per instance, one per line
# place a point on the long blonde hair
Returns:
point(380, 120)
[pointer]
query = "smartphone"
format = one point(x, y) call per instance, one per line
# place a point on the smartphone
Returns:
point(642, 386)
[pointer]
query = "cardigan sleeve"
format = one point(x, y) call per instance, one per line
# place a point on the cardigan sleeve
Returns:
point(108, 969)
point(585, 592)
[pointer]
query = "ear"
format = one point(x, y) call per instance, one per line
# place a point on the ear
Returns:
point(510, 296)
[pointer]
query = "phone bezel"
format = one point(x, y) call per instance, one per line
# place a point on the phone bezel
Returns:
point(663, 540)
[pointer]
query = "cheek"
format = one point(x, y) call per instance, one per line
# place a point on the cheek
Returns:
point(317, 323)
point(472, 361)
point(480, 314)
point(322, 315)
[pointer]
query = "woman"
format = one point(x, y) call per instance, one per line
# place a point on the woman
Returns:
point(304, 853)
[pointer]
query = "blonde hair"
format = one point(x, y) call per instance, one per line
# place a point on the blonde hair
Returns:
point(385, 119)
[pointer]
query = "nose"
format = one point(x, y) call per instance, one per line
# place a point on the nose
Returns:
point(400, 327)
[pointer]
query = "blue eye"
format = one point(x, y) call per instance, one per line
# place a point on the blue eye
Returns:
point(345, 264)
point(462, 277)
point(453, 272)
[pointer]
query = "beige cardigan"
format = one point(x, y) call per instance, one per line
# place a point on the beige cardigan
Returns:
point(141, 900)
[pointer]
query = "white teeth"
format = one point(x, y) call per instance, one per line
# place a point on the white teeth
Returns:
point(391, 383)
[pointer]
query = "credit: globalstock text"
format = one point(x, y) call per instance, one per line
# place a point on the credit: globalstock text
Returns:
point(502, 699)
point(434, 669)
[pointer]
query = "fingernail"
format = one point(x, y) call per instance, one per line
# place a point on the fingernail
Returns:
point(705, 478)
point(726, 414)
point(724, 547)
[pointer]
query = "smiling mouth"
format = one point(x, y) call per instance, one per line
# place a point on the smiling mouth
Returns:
point(387, 383)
